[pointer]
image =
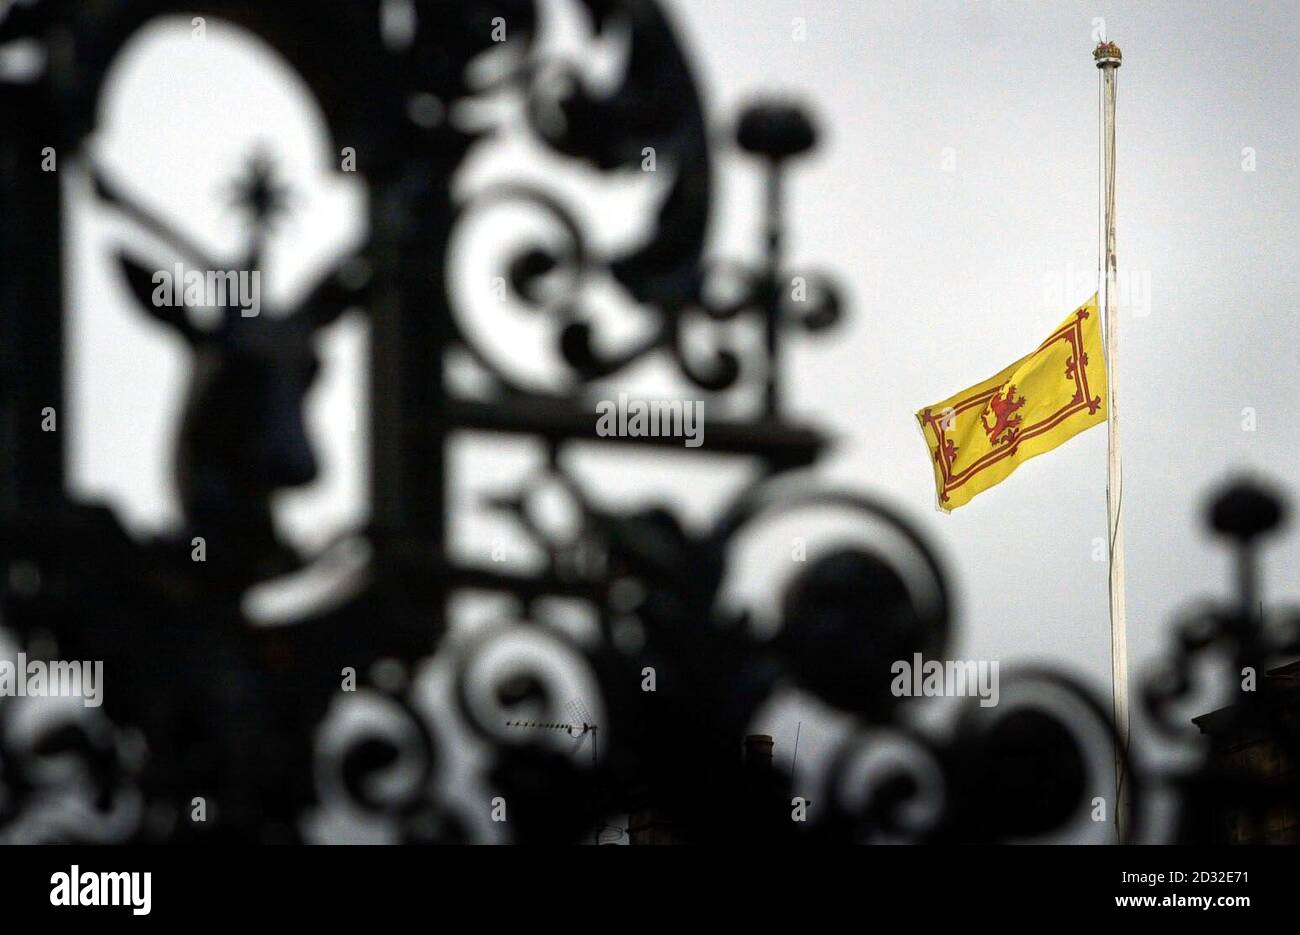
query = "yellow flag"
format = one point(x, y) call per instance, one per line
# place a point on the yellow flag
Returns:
point(978, 437)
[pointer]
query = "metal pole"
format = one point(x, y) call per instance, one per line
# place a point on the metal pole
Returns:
point(1108, 58)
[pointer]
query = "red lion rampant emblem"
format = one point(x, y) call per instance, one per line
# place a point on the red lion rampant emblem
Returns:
point(1005, 426)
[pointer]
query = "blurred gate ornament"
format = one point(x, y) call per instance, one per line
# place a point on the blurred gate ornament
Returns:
point(518, 730)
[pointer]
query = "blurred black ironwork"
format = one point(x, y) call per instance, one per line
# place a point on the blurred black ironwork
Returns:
point(202, 704)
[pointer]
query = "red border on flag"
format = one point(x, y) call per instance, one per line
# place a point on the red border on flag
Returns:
point(1072, 333)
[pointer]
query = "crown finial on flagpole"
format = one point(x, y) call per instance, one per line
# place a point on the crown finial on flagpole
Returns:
point(1107, 54)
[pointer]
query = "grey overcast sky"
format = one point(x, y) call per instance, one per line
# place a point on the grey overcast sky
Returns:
point(955, 199)
point(954, 274)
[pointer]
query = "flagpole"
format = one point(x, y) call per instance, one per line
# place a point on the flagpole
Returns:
point(1107, 56)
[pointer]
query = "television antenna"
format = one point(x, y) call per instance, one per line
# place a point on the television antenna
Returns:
point(579, 727)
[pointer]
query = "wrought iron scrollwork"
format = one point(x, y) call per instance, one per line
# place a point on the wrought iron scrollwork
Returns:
point(543, 709)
